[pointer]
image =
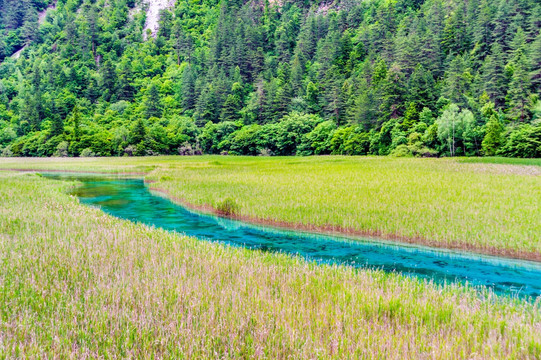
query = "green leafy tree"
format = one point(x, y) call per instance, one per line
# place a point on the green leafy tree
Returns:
point(493, 138)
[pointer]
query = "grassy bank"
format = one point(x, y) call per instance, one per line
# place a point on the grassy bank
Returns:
point(490, 208)
point(78, 283)
point(486, 207)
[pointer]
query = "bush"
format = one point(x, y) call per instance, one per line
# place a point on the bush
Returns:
point(401, 151)
point(350, 141)
point(188, 150)
point(227, 207)
point(62, 149)
point(6, 152)
point(291, 131)
point(87, 152)
point(523, 141)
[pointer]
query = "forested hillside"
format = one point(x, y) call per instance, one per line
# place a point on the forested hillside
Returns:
point(19, 23)
point(399, 77)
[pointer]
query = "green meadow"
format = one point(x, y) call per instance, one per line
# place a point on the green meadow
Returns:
point(488, 206)
point(77, 283)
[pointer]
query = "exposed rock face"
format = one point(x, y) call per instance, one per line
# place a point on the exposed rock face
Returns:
point(41, 18)
point(153, 14)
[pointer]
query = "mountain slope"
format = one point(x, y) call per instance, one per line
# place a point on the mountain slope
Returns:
point(407, 77)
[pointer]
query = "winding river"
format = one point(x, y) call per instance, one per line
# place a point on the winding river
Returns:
point(130, 199)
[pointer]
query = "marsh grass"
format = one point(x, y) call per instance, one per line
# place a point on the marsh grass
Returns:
point(491, 208)
point(487, 207)
point(77, 283)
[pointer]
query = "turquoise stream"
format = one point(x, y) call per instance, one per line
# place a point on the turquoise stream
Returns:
point(131, 199)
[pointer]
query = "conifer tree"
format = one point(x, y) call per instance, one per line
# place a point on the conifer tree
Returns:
point(138, 132)
point(57, 124)
point(517, 95)
point(153, 105)
point(535, 65)
point(493, 76)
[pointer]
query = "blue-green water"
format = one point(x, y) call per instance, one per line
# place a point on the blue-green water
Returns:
point(131, 199)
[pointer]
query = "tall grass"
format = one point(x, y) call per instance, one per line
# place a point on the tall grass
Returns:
point(486, 207)
point(502, 160)
point(76, 283)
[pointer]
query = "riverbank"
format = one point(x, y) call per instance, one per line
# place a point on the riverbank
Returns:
point(488, 208)
point(352, 233)
point(103, 287)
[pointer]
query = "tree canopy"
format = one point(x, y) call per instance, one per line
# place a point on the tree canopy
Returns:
point(406, 78)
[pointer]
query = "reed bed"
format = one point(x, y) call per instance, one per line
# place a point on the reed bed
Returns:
point(77, 283)
point(489, 205)
point(491, 208)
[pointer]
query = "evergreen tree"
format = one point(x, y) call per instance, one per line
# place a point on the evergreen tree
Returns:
point(138, 132)
point(517, 95)
point(108, 80)
point(126, 90)
point(153, 105)
point(29, 30)
point(76, 119)
point(233, 104)
point(392, 94)
point(57, 124)
point(535, 65)
point(493, 76)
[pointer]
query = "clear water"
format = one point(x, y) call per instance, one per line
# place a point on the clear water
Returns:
point(130, 199)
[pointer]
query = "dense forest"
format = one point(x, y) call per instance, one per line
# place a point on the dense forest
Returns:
point(262, 77)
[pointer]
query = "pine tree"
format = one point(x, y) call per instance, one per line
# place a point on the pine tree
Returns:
point(422, 88)
point(108, 80)
point(458, 80)
point(493, 76)
point(57, 124)
point(392, 95)
point(517, 95)
point(483, 29)
point(188, 91)
point(232, 104)
point(455, 34)
point(76, 119)
point(126, 90)
point(535, 65)
point(138, 133)
point(153, 106)
point(312, 97)
point(177, 39)
point(297, 72)
point(29, 29)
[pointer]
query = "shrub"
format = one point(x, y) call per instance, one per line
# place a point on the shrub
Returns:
point(87, 152)
point(523, 141)
point(401, 151)
point(62, 149)
point(227, 207)
point(6, 152)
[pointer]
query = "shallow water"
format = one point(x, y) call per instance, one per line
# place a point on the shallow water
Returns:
point(131, 199)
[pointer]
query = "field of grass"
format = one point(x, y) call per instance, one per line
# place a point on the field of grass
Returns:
point(77, 283)
point(484, 207)
point(501, 160)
